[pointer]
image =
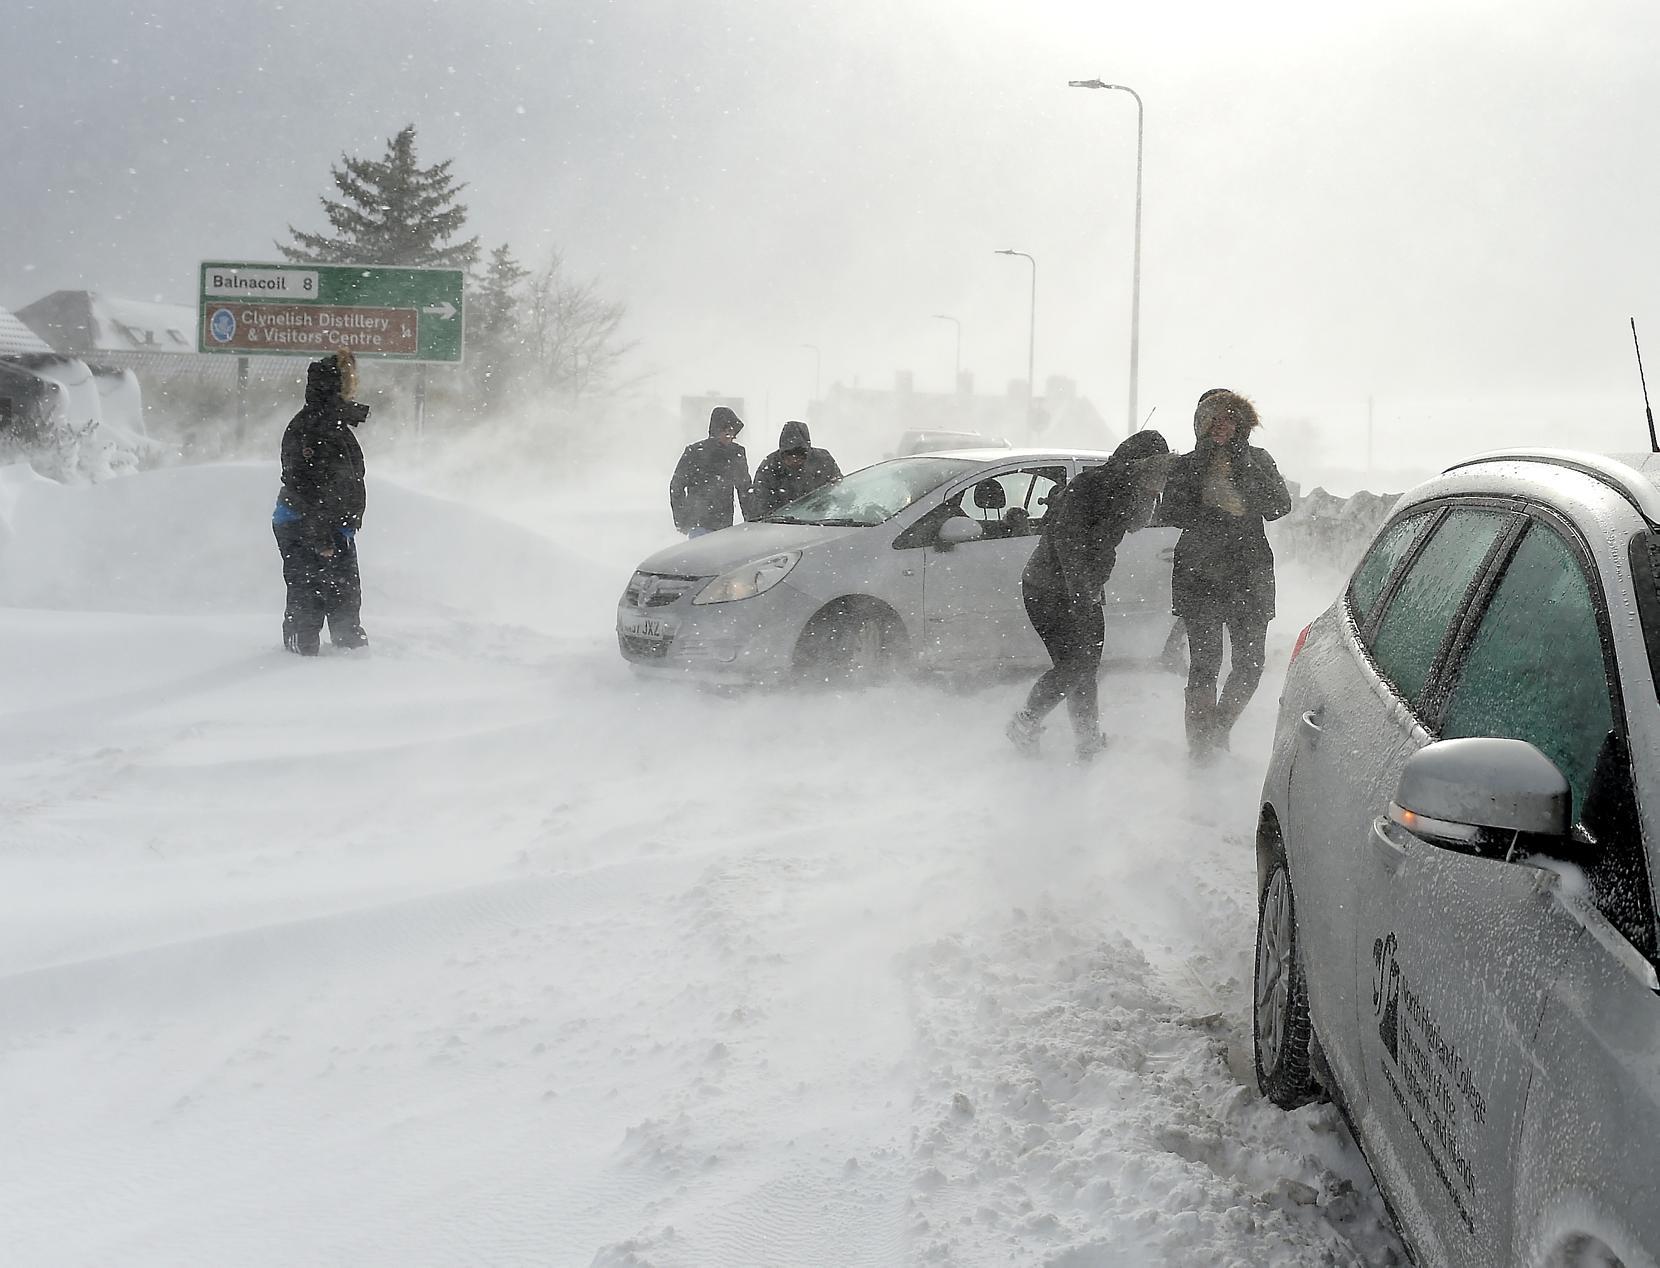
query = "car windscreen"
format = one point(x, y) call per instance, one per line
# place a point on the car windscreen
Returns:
point(875, 494)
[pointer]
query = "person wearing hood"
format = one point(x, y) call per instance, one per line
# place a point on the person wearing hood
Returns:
point(709, 475)
point(320, 509)
point(1220, 496)
point(794, 470)
point(1063, 584)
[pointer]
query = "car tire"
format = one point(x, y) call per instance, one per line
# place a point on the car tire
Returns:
point(1282, 1034)
point(854, 645)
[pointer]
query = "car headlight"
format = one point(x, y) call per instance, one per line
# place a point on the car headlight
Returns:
point(750, 580)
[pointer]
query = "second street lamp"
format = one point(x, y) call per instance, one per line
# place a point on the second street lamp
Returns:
point(956, 382)
point(1031, 338)
point(1135, 285)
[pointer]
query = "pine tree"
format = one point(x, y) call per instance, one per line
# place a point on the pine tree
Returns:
point(390, 212)
point(494, 338)
point(493, 307)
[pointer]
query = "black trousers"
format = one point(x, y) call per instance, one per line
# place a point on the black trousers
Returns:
point(1247, 642)
point(320, 588)
point(1074, 639)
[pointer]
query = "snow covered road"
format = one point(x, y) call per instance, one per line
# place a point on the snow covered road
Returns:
point(481, 950)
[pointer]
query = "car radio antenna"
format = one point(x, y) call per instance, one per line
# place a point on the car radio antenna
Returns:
point(1653, 442)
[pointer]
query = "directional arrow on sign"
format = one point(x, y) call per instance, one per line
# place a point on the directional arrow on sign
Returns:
point(446, 310)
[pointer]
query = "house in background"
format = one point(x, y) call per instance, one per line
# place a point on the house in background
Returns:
point(157, 341)
point(16, 339)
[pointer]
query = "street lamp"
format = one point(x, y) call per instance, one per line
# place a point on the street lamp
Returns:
point(956, 383)
point(817, 361)
point(1135, 285)
point(1031, 337)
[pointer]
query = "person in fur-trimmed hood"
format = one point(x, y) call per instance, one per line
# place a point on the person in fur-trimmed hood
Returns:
point(320, 510)
point(1220, 496)
point(792, 471)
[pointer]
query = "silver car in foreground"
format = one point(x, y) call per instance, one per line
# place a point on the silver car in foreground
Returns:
point(915, 561)
point(1456, 851)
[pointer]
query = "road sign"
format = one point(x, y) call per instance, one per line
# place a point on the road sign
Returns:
point(251, 309)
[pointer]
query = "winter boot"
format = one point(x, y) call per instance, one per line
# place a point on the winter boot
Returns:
point(1201, 724)
point(299, 645)
point(1025, 731)
point(1090, 746)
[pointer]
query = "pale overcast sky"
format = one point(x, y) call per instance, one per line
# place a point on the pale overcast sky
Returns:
point(1446, 207)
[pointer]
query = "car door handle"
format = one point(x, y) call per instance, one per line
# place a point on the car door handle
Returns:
point(1168, 553)
point(1391, 853)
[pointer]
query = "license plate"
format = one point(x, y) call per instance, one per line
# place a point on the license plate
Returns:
point(645, 627)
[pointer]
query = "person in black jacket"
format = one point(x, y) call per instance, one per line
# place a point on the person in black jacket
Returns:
point(1063, 584)
point(1220, 495)
point(793, 471)
point(708, 476)
point(320, 510)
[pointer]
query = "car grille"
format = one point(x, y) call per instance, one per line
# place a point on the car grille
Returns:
point(658, 590)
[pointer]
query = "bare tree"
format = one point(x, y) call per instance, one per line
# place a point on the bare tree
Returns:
point(571, 333)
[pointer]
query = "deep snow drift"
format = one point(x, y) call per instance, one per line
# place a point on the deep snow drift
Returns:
point(480, 950)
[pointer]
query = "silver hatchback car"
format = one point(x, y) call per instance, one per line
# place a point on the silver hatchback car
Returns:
point(1456, 850)
point(913, 561)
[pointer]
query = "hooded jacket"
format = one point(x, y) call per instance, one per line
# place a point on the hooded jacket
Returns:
point(1220, 496)
point(1080, 541)
point(323, 497)
point(707, 477)
point(778, 484)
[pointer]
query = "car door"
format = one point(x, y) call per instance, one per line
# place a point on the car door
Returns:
point(973, 611)
point(1466, 948)
point(1356, 727)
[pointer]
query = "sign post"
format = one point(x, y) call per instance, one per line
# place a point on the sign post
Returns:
point(311, 310)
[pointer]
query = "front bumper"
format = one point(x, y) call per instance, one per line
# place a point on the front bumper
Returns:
point(751, 640)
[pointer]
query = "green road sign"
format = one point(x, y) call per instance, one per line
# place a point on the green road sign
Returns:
point(308, 310)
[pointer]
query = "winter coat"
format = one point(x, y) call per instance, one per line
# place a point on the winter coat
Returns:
point(1220, 497)
point(322, 498)
point(1080, 540)
point(706, 479)
point(778, 484)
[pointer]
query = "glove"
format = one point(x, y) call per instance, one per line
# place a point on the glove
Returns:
point(347, 533)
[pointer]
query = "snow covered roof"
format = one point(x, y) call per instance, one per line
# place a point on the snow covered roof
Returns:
point(87, 322)
point(158, 340)
point(15, 337)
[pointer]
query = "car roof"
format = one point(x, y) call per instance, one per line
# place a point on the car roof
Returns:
point(1635, 477)
point(1015, 455)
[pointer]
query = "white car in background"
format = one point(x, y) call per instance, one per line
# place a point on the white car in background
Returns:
point(912, 562)
point(1457, 847)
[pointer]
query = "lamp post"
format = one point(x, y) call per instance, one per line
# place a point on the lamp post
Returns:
point(817, 361)
point(957, 381)
point(1135, 285)
point(1031, 337)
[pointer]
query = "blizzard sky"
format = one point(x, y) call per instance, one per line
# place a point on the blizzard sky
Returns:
point(1444, 206)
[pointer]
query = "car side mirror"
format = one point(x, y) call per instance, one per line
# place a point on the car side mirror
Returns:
point(1482, 796)
point(957, 530)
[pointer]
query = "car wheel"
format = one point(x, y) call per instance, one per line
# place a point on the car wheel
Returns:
point(855, 645)
point(1279, 1017)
